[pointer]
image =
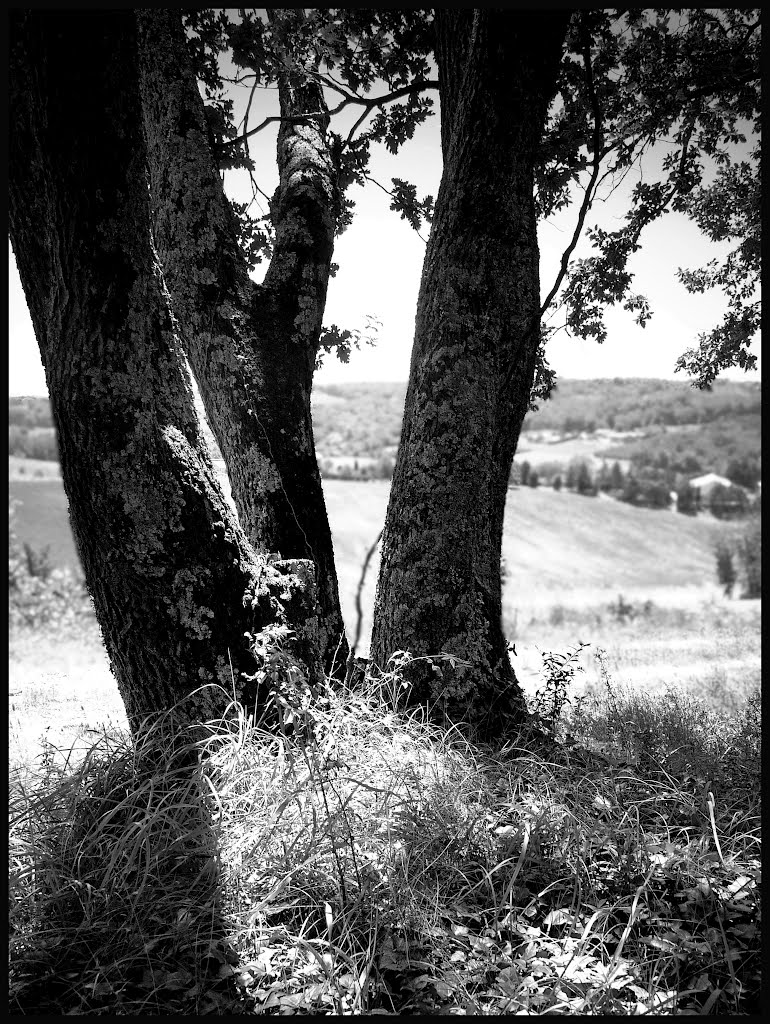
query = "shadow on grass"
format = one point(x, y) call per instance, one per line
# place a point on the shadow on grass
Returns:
point(362, 860)
point(114, 881)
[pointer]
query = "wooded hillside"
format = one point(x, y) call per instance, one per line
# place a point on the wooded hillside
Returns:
point(364, 419)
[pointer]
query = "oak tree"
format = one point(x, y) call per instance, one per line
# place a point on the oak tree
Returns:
point(133, 258)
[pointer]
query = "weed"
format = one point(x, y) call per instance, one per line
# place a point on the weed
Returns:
point(549, 701)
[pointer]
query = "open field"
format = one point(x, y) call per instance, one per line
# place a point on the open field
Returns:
point(20, 468)
point(563, 449)
point(568, 560)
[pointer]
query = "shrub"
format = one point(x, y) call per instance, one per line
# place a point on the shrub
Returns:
point(745, 549)
point(621, 609)
point(726, 573)
point(653, 494)
point(40, 595)
point(584, 483)
point(744, 471)
point(728, 502)
point(687, 500)
point(750, 555)
point(616, 477)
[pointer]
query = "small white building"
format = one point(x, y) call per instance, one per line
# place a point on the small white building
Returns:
point(704, 485)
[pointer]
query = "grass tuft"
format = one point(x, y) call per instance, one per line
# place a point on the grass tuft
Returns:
point(365, 861)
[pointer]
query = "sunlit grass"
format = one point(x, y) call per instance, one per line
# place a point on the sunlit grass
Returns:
point(366, 860)
point(712, 648)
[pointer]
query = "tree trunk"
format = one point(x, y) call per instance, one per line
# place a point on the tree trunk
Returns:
point(174, 580)
point(476, 339)
point(252, 347)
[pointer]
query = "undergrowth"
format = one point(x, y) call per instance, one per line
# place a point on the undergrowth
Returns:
point(365, 861)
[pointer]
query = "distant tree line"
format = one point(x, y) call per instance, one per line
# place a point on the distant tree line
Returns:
point(728, 446)
point(646, 485)
point(33, 442)
point(659, 464)
point(633, 404)
point(29, 412)
point(379, 469)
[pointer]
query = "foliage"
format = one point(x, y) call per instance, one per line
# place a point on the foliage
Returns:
point(744, 549)
point(745, 471)
point(346, 52)
point(750, 555)
point(691, 450)
point(29, 412)
point(655, 64)
point(728, 502)
point(33, 442)
point(342, 342)
point(632, 403)
point(643, 78)
point(548, 703)
point(371, 863)
point(687, 500)
point(584, 483)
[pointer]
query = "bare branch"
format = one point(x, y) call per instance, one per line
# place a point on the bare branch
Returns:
point(359, 609)
point(352, 131)
point(599, 152)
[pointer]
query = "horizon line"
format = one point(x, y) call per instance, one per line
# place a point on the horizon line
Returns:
point(754, 379)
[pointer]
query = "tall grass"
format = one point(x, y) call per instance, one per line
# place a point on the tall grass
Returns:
point(363, 860)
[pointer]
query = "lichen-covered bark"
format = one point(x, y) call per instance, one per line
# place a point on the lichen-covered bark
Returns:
point(252, 347)
point(472, 366)
point(174, 580)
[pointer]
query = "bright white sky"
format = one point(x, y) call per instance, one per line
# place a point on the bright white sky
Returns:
point(380, 259)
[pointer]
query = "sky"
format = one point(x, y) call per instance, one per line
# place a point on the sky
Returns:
point(380, 259)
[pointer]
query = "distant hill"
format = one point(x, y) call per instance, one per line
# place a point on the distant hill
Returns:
point(358, 419)
point(364, 419)
point(633, 403)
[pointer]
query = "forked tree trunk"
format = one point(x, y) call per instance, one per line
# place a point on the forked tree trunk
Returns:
point(252, 347)
point(476, 339)
point(175, 582)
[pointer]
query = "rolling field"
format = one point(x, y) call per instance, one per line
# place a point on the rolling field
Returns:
point(568, 559)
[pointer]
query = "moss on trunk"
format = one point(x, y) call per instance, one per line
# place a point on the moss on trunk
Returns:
point(473, 360)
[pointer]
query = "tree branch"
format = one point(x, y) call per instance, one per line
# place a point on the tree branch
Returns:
point(359, 591)
point(349, 98)
point(599, 153)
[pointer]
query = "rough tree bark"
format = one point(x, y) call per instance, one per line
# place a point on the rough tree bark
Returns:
point(252, 347)
point(174, 580)
point(476, 339)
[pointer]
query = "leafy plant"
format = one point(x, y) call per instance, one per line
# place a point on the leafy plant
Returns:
point(552, 697)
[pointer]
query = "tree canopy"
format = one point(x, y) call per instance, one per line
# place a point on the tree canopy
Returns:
point(676, 93)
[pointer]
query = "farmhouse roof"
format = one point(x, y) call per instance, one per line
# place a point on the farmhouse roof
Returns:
point(709, 479)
